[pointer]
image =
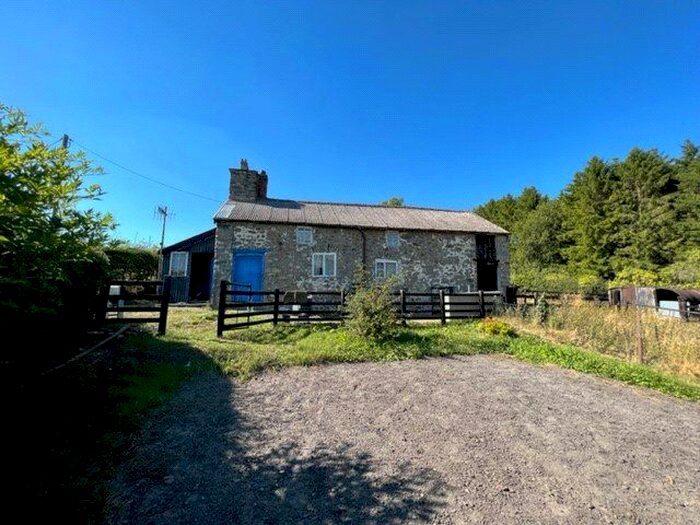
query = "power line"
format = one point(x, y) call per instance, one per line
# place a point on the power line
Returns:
point(151, 179)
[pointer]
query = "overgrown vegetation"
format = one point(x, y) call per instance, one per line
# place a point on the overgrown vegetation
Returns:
point(369, 308)
point(128, 261)
point(629, 221)
point(50, 239)
point(244, 353)
point(668, 344)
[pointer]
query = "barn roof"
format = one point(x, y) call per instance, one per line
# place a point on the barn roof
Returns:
point(190, 241)
point(354, 215)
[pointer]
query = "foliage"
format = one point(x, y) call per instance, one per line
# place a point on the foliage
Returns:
point(684, 272)
point(542, 309)
point(491, 326)
point(50, 240)
point(370, 309)
point(128, 261)
point(629, 221)
point(394, 202)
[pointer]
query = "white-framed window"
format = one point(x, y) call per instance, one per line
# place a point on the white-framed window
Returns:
point(392, 239)
point(178, 263)
point(384, 268)
point(305, 235)
point(323, 265)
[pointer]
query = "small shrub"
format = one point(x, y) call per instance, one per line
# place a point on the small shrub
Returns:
point(542, 310)
point(491, 326)
point(371, 314)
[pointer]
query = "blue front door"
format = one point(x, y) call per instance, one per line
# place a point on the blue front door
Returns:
point(248, 273)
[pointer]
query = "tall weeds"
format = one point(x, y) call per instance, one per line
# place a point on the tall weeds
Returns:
point(668, 344)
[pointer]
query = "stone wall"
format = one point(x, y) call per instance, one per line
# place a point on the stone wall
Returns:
point(247, 185)
point(426, 259)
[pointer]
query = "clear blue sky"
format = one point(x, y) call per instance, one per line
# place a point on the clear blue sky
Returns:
point(447, 104)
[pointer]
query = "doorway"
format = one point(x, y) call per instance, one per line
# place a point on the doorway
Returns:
point(200, 276)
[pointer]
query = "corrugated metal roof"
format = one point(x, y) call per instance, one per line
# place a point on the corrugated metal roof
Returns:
point(350, 215)
point(190, 241)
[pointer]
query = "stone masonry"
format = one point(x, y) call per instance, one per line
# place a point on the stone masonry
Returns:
point(426, 259)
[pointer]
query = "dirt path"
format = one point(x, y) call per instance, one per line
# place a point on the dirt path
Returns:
point(480, 439)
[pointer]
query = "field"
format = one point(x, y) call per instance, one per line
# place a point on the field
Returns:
point(667, 344)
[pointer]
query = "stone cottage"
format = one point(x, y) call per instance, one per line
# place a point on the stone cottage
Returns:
point(267, 243)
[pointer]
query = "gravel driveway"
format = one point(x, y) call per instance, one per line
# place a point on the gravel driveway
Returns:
point(481, 439)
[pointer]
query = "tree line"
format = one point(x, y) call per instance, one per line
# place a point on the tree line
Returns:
point(622, 221)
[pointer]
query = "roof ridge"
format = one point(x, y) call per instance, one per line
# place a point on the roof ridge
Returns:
point(370, 205)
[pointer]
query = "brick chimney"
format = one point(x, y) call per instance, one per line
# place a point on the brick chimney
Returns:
point(246, 184)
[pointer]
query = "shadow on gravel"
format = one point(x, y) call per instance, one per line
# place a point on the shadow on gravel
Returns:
point(200, 461)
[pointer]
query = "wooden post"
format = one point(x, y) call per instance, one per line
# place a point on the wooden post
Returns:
point(164, 303)
point(640, 336)
point(482, 306)
point(101, 308)
point(443, 320)
point(402, 299)
point(223, 288)
point(276, 307)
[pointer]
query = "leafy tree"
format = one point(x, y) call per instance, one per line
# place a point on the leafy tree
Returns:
point(643, 216)
point(684, 272)
point(585, 205)
point(393, 202)
point(688, 200)
point(538, 241)
point(508, 212)
point(49, 240)
point(630, 221)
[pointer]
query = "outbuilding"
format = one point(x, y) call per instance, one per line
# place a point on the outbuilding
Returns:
point(189, 263)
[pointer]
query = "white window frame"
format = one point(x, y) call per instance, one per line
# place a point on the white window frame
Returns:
point(186, 268)
point(381, 263)
point(305, 229)
point(326, 271)
point(391, 234)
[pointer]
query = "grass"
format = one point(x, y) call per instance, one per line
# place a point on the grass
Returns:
point(244, 353)
point(670, 345)
point(83, 417)
point(85, 414)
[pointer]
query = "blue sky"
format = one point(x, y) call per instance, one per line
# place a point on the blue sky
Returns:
point(445, 103)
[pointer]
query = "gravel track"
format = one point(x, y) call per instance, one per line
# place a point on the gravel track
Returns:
point(482, 439)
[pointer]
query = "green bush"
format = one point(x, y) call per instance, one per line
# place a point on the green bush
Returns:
point(491, 326)
point(127, 261)
point(50, 240)
point(371, 314)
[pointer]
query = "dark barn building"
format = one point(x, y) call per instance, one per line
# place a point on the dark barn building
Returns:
point(189, 263)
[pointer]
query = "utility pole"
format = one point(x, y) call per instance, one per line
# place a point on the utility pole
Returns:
point(65, 141)
point(163, 212)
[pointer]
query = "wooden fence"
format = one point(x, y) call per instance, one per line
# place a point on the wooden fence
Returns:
point(135, 297)
point(277, 306)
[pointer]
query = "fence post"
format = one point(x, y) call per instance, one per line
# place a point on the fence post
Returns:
point(442, 307)
point(640, 336)
point(276, 307)
point(223, 288)
point(164, 303)
point(101, 308)
point(482, 306)
point(402, 300)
